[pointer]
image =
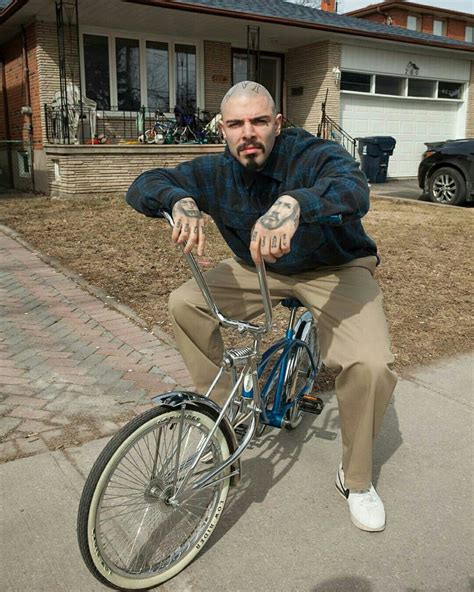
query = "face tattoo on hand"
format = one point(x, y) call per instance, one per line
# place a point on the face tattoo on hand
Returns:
point(279, 213)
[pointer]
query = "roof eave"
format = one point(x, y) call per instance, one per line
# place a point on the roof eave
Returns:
point(10, 10)
point(384, 6)
point(303, 24)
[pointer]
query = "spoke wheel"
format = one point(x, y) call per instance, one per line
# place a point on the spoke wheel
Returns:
point(300, 377)
point(140, 521)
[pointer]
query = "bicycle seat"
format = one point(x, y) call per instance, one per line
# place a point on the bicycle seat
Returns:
point(291, 303)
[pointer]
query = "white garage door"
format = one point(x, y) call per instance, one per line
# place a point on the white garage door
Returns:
point(411, 123)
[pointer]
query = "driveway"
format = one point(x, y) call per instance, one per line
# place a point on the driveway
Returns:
point(403, 187)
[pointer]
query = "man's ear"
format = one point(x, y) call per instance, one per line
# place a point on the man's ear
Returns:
point(278, 122)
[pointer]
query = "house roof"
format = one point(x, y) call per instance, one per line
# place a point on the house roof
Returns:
point(409, 6)
point(287, 13)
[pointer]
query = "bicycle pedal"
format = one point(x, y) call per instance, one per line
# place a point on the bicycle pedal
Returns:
point(312, 404)
point(240, 431)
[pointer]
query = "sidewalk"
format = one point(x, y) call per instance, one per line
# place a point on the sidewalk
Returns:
point(73, 369)
point(286, 529)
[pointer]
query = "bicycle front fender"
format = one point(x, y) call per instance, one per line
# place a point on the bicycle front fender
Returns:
point(174, 400)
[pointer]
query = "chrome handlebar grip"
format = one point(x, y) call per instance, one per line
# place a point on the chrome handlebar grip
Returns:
point(241, 326)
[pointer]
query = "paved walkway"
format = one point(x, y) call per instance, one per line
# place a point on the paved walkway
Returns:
point(72, 369)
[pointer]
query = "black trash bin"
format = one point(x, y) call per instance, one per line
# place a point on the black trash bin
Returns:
point(374, 153)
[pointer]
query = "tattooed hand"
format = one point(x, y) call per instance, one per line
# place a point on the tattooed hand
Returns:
point(272, 233)
point(188, 225)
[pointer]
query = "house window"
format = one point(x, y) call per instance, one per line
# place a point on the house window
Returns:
point(124, 74)
point(96, 69)
point(449, 90)
point(412, 22)
point(389, 85)
point(355, 81)
point(438, 27)
point(418, 87)
point(127, 55)
point(24, 165)
point(469, 36)
point(157, 76)
point(185, 56)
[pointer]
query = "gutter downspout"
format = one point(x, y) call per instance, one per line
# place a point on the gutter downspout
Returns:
point(28, 126)
point(7, 123)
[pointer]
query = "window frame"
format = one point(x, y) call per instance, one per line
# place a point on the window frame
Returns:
point(405, 95)
point(443, 27)
point(142, 38)
point(469, 38)
point(417, 22)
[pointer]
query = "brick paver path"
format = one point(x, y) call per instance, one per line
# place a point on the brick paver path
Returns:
point(71, 368)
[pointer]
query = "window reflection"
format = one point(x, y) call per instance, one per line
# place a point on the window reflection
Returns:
point(186, 76)
point(157, 76)
point(128, 74)
point(96, 67)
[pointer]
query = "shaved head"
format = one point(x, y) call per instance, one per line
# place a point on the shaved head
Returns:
point(249, 123)
point(247, 90)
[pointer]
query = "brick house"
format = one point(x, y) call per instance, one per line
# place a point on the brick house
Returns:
point(417, 17)
point(374, 79)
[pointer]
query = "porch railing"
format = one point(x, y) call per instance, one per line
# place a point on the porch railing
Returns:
point(329, 129)
point(87, 125)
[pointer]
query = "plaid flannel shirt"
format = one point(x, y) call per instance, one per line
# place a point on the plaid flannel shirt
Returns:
point(327, 182)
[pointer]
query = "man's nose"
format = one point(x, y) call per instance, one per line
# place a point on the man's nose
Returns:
point(248, 130)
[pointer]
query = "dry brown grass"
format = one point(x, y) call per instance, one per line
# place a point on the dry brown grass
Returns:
point(425, 272)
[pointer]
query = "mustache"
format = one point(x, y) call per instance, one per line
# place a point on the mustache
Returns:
point(250, 144)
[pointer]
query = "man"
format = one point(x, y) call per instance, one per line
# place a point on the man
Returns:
point(295, 202)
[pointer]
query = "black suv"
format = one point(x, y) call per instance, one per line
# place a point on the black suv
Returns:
point(446, 171)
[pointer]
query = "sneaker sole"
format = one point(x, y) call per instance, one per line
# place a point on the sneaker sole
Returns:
point(356, 522)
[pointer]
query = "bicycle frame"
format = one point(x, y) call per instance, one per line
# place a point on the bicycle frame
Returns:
point(250, 399)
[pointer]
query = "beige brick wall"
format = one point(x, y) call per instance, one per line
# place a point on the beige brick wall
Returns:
point(311, 67)
point(99, 170)
point(470, 106)
point(218, 73)
point(48, 63)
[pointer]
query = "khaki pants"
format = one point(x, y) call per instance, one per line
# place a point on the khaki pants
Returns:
point(347, 303)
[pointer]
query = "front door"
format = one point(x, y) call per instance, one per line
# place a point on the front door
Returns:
point(270, 72)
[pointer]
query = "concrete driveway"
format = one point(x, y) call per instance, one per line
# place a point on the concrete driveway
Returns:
point(404, 187)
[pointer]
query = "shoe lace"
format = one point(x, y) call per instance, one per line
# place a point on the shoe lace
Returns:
point(367, 498)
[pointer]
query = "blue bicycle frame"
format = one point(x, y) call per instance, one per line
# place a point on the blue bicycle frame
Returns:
point(280, 405)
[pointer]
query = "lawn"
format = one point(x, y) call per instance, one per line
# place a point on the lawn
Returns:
point(425, 272)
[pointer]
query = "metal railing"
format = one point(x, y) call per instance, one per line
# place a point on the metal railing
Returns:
point(328, 129)
point(88, 125)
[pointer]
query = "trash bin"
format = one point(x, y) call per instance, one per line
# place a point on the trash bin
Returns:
point(375, 153)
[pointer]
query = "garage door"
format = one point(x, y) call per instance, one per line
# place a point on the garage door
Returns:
point(411, 123)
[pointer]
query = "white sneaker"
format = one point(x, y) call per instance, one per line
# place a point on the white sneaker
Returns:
point(366, 507)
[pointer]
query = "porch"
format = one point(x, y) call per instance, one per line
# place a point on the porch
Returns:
point(75, 170)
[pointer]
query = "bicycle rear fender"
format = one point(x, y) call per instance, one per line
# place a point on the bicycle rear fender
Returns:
point(175, 399)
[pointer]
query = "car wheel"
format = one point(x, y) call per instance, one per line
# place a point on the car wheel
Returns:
point(447, 186)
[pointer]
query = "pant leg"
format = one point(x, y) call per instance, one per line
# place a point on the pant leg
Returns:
point(354, 339)
point(237, 294)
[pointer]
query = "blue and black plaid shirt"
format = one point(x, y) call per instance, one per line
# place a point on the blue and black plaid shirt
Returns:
point(320, 174)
